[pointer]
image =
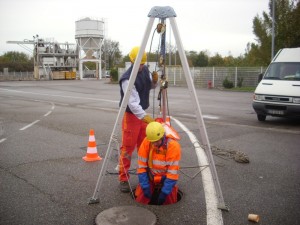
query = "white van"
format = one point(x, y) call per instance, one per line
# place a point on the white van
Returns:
point(278, 93)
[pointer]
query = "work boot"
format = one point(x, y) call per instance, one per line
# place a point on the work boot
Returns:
point(124, 186)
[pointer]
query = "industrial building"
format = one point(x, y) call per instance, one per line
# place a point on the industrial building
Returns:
point(54, 60)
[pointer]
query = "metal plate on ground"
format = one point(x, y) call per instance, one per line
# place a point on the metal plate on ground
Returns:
point(126, 215)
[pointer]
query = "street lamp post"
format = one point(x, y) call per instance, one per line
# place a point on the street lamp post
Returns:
point(273, 28)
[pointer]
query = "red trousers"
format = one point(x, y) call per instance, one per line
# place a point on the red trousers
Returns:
point(133, 133)
point(170, 199)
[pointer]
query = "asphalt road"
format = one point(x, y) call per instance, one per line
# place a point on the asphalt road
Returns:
point(44, 128)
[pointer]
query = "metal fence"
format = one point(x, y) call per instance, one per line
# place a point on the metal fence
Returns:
point(11, 76)
point(203, 76)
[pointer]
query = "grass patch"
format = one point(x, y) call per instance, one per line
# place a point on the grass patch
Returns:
point(250, 89)
point(247, 89)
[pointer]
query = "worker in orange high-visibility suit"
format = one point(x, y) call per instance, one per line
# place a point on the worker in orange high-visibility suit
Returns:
point(158, 166)
point(135, 118)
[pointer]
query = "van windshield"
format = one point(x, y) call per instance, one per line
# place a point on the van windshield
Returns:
point(283, 71)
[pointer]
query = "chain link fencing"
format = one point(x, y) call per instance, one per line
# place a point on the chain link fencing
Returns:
point(205, 77)
point(16, 76)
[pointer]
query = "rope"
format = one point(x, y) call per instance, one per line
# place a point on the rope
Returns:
point(157, 58)
point(238, 156)
point(115, 139)
point(190, 167)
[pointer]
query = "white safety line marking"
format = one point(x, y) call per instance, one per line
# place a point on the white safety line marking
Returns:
point(204, 116)
point(63, 96)
point(48, 113)
point(100, 108)
point(213, 214)
point(210, 117)
point(29, 125)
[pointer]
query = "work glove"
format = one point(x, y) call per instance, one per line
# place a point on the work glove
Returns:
point(161, 198)
point(148, 119)
point(154, 77)
point(147, 192)
point(168, 186)
point(144, 182)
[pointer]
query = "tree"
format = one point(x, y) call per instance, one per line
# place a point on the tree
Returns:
point(295, 23)
point(216, 60)
point(192, 58)
point(287, 34)
point(16, 61)
point(13, 56)
point(229, 61)
point(202, 59)
point(284, 22)
point(112, 53)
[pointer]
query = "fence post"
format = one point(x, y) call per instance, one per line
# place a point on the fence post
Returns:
point(174, 75)
point(180, 72)
point(193, 74)
point(213, 77)
point(235, 79)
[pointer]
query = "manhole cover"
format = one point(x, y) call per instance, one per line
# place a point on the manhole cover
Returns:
point(127, 215)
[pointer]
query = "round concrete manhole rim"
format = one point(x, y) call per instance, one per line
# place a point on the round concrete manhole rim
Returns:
point(126, 215)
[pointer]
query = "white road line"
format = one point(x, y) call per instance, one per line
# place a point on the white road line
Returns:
point(210, 117)
point(204, 116)
point(63, 96)
point(213, 214)
point(48, 113)
point(29, 125)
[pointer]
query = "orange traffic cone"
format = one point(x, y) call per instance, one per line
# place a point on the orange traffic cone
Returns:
point(92, 154)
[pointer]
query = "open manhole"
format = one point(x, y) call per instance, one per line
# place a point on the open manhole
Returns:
point(154, 200)
point(126, 215)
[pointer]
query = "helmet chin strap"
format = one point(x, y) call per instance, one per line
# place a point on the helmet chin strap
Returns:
point(163, 141)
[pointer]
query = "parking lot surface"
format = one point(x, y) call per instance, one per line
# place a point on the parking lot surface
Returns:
point(44, 130)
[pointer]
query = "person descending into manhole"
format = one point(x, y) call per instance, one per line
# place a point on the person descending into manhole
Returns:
point(135, 118)
point(158, 166)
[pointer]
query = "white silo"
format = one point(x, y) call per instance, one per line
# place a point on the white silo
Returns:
point(89, 36)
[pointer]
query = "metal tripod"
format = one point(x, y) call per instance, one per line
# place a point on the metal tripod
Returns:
point(163, 13)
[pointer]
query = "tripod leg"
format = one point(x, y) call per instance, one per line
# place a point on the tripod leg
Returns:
point(203, 133)
point(94, 198)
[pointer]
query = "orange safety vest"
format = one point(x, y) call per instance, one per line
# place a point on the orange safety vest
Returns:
point(159, 162)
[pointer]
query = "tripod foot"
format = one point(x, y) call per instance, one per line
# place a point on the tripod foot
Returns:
point(93, 201)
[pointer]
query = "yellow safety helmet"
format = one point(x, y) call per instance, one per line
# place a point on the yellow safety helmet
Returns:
point(133, 54)
point(154, 131)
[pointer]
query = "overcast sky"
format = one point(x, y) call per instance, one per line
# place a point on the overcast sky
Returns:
point(218, 26)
